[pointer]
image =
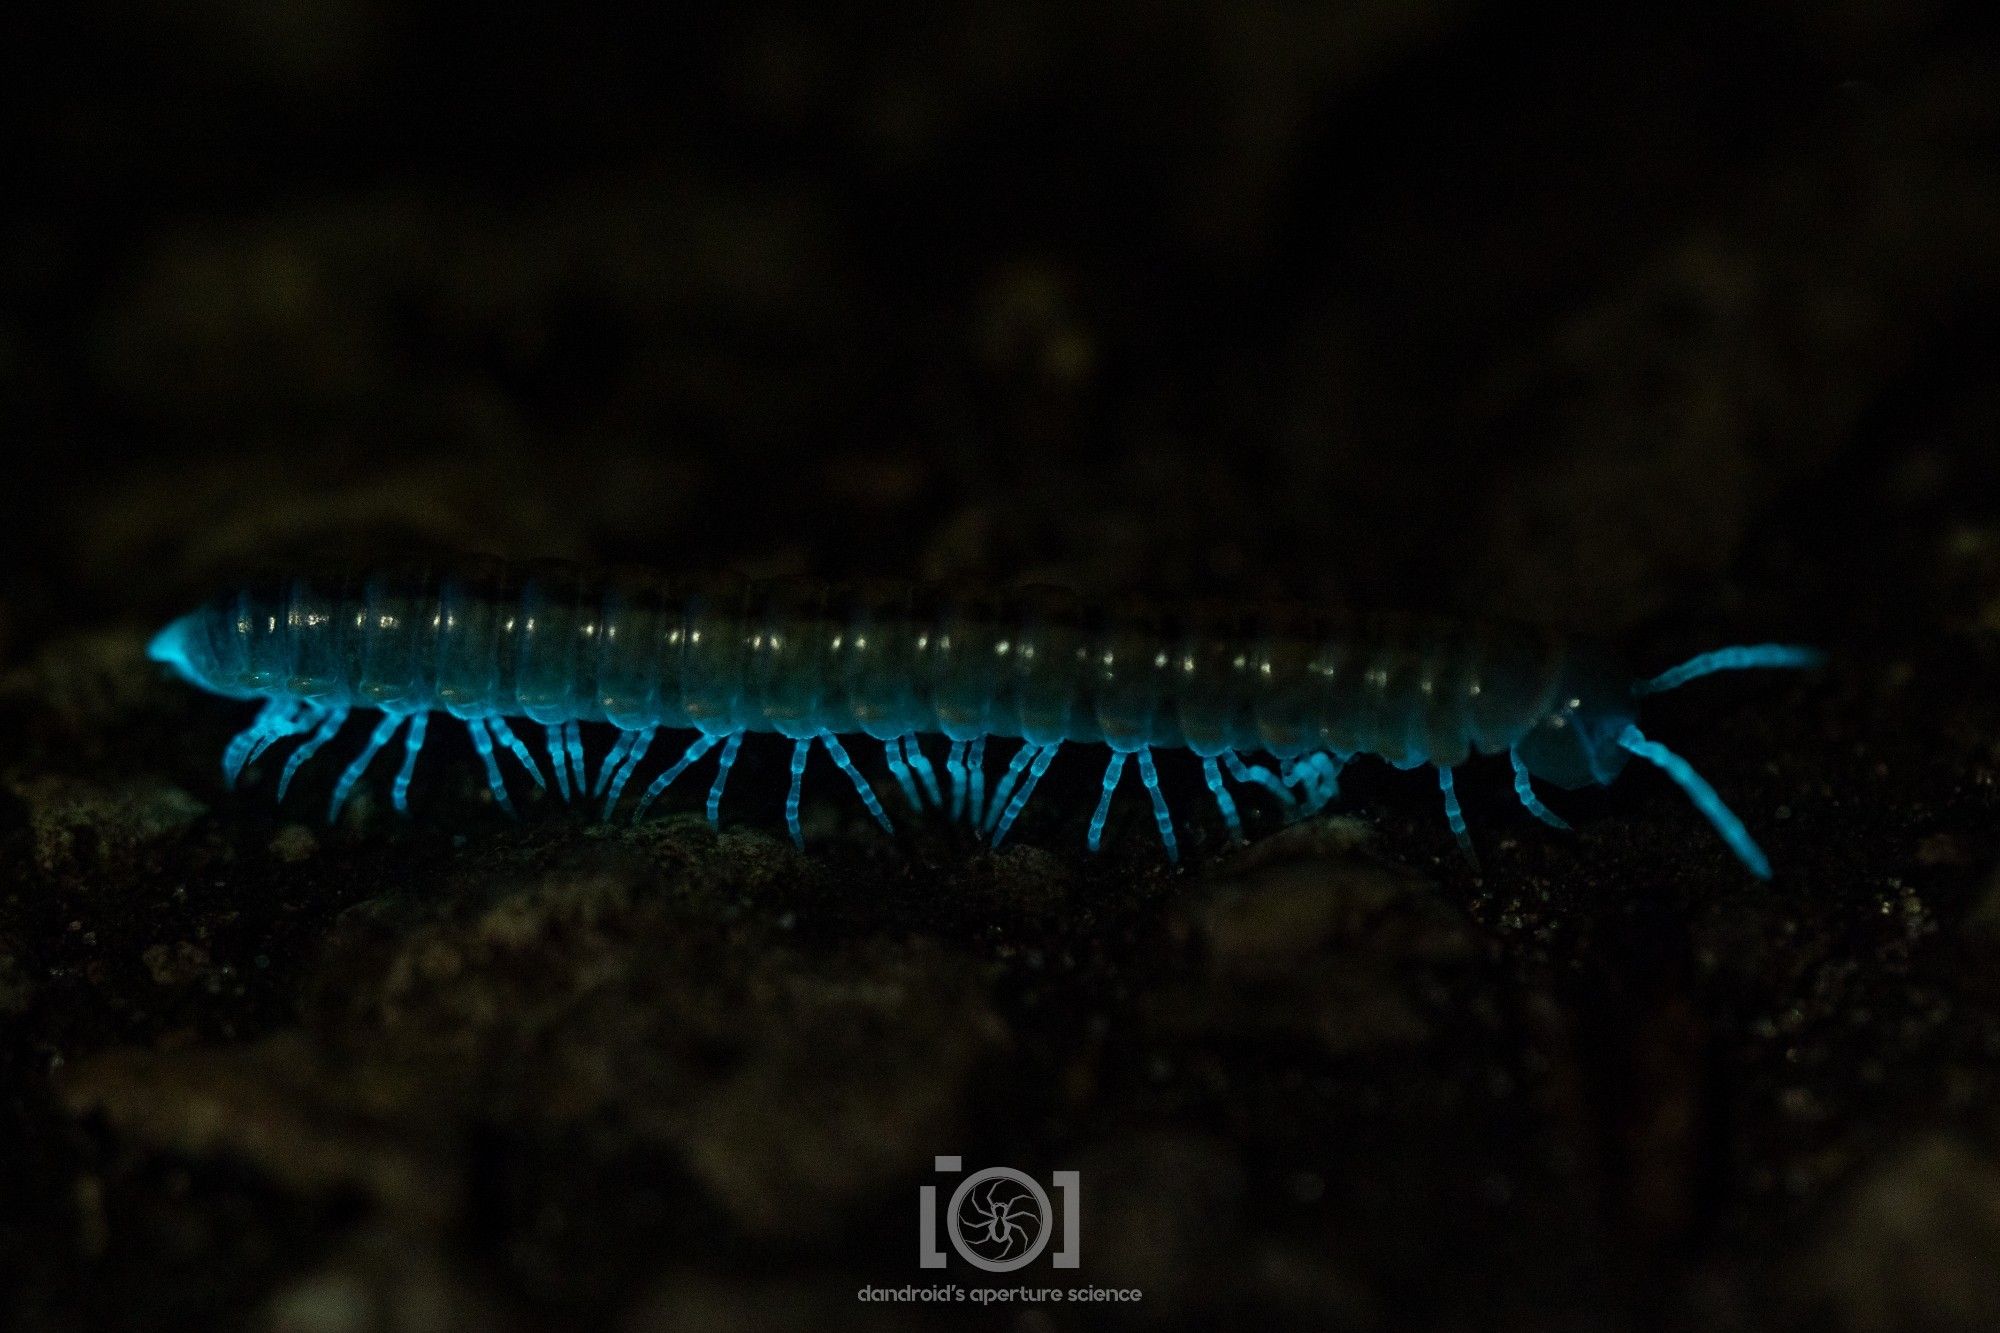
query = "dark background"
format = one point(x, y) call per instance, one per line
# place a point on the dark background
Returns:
point(1673, 327)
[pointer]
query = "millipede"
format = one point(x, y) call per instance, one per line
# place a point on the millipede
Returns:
point(1279, 698)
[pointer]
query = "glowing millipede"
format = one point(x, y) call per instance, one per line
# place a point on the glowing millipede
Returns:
point(722, 657)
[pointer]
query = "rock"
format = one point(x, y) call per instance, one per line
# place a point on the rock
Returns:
point(1162, 1212)
point(1304, 938)
point(17, 991)
point(693, 1301)
point(84, 829)
point(385, 1281)
point(294, 843)
point(1915, 1244)
point(281, 1107)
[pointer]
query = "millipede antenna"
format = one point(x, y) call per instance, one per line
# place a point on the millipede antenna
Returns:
point(1742, 657)
point(1704, 798)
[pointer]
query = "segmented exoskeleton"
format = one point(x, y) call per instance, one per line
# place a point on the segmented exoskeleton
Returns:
point(1281, 698)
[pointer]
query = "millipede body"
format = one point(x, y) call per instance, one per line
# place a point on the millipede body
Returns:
point(1277, 697)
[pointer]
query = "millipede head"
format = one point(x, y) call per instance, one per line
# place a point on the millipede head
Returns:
point(1575, 743)
point(204, 651)
point(1593, 731)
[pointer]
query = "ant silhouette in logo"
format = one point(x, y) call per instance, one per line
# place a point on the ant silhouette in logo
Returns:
point(1000, 1218)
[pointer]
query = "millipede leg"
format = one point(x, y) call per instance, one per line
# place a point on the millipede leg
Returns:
point(1224, 802)
point(237, 753)
point(413, 741)
point(612, 760)
point(1112, 771)
point(1043, 758)
point(1262, 777)
point(1322, 778)
point(556, 761)
point(954, 766)
point(801, 749)
point(1456, 817)
point(1296, 773)
point(729, 750)
point(1151, 778)
point(476, 728)
point(313, 746)
point(867, 793)
point(892, 754)
point(291, 725)
point(975, 764)
point(385, 730)
point(271, 723)
point(636, 744)
point(1019, 762)
point(579, 758)
point(517, 747)
point(913, 750)
point(697, 747)
point(1525, 789)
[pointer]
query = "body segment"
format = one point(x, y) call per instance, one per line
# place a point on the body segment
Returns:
point(552, 645)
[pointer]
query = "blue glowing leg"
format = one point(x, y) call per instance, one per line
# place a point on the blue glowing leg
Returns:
point(1015, 767)
point(1705, 800)
point(1224, 802)
point(476, 728)
point(313, 746)
point(237, 753)
point(636, 744)
point(839, 753)
point(892, 753)
point(697, 747)
point(1262, 777)
point(1524, 788)
point(729, 750)
point(1304, 778)
point(516, 747)
point(556, 764)
point(913, 750)
point(1740, 658)
point(975, 765)
point(1112, 771)
point(954, 765)
point(619, 749)
point(273, 721)
point(1301, 777)
point(1151, 778)
point(1456, 817)
point(1318, 777)
point(295, 720)
point(800, 750)
point(1322, 777)
point(578, 760)
point(385, 730)
point(1019, 802)
point(413, 741)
